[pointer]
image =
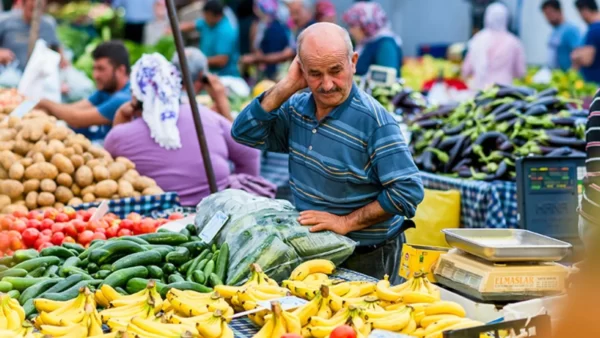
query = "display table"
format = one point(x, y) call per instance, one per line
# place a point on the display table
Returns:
point(243, 327)
point(483, 204)
point(151, 205)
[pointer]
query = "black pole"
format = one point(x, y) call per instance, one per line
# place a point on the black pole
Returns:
point(187, 80)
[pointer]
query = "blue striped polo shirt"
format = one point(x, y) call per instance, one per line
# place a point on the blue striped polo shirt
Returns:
point(352, 157)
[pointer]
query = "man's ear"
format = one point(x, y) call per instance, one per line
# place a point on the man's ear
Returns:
point(354, 61)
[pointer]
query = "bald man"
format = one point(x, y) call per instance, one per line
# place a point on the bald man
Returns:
point(350, 169)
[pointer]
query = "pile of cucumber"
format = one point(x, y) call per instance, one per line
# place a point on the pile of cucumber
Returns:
point(174, 260)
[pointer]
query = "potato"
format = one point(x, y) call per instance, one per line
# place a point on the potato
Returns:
point(156, 190)
point(7, 158)
point(79, 140)
point(9, 209)
point(13, 121)
point(68, 152)
point(137, 194)
point(143, 182)
point(16, 171)
point(90, 189)
point(31, 200)
point(20, 202)
point(7, 134)
point(48, 185)
point(127, 162)
point(130, 175)
point(3, 173)
point(7, 145)
point(84, 176)
point(87, 157)
point(59, 133)
point(87, 198)
point(100, 172)
point(38, 158)
point(26, 162)
point(115, 197)
point(106, 189)
point(125, 189)
point(77, 161)
point(45, 199)
point(63, 194)
point(22, 147)
point(63, 164)
point(117, 170)
point(75, 201)
point(64, 179)
point(33, 131)
point(49, 126)
point(41, 170)
point(11, 188)
point(4, 201)
point(39, 146)
point(54, 147)
point(95, 162)
point(76, 190)
point(77, 148)
point(58, 205)
point(96, 151)
point(31, 185)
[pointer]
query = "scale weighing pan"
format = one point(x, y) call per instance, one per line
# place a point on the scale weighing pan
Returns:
point(507, 245)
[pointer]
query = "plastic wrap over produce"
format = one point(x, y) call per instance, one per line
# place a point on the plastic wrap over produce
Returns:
point(266, 231)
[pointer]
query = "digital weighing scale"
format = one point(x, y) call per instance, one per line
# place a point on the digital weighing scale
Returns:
point(548, 191)
point(378, 76)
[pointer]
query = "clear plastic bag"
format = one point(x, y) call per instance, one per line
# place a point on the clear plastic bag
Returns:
point(80, 86)
point(266, 231)
point(10, 75)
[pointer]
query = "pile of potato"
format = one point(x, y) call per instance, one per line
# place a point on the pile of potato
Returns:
point(9, 100)
point(43, 164)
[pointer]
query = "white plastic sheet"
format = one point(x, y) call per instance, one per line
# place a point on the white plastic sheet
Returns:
point(41, 78)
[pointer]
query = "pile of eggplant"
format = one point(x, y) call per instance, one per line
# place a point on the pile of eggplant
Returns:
point(399, 99)
point(481, 138)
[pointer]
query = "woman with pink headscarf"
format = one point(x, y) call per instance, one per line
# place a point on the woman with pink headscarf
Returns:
point(495, 56)
point(325, 11)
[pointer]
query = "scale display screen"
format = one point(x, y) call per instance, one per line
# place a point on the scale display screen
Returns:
point(379, 76)
point(552, 179)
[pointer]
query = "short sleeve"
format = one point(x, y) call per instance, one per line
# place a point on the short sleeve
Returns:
point(200, 24)
point(109, 108)
point(96, 98)
point(572, 37)
point(227, 42)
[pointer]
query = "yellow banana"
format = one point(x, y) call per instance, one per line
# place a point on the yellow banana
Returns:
point(324, 311)
point(14, 305)
point(366, 288)
point(140, 332)
point(226, 331)
point(340, 289)
point(118, 324)
point(212, 326)
point(385, 293)
point(320, 331)
point(393, 323)
point(433, 290)
point(126, 312)
point(109, 293)
point(187, 309)
point(266, 331)
point(317, 277)
point(417, 297)
point(419, 333)
point(158, 328)
point(370, 315)
point(308, 310)
point(445, 307)
point(428, 320)
point(113, 334)
point(13, 319)
point(333, 321)
point(47, 305)
point(95, 323)
point(464, 324)
point(312, 266)
point(292, 323)
point(402, 287)
point(227, 291)
point(442, 324)
point(100, 299)
point(59, 331)
point(410, 327)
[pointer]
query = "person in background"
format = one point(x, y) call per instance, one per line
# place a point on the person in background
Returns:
point(137, 14)
point(93, 117)
point(495, 56)
point(218, 39)
point(325, 11)
point(564, 39)
point(586, 57)
point(273, 42)
point(350, 170)
point(302, 14)
point(203, 80)
point(159, 136)
point(15, 29)
point(376, 43)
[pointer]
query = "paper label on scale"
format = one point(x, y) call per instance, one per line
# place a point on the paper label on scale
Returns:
point(525, 283)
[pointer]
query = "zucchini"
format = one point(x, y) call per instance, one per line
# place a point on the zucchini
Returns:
point(25, 255)
point(163, 249)
point(208, 269)
point(39, 272)
point(29, 309)
point(194, 266)
point(52, 271)
point(222, 262)
point(179, 256)
point(102, 274)
point(195, 247)
point(214, 280)
point(137, 259)
point(106, 267)
point(109, 251)
point(64, 284)
point(169, 268)
point(168, 238)
point(198, 277)
point(14, 294)
point(155, 272)
point(135, 239)
point(71, 270)
point(86, 252)
point(74, 247)
point(5, 286)
point(184, 231)
point(35, 263)
point(174, 278)
point(71, 292)
point(137, 284)
point(22, 283)
point(185, 266)
point(120, 277)
point(71, 261)
point(187, 286)
point(195, 238)
point(12, 272)
point(57, 251)
point(37, 289)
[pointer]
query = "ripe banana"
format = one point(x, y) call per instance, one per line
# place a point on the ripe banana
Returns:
point(410, 327)
point(211, 325)
point(101, 299)
point(428, 320)
point(417, 297)
point(310, 267)
point(441, 325)
point(48, 305)
point(366, 288)
point(384, 292)
point(109, 293)
point(445, 307)
point(318, 277)
point(463, 324)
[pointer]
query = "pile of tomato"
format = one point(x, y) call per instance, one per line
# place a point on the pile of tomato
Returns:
point(42, 229)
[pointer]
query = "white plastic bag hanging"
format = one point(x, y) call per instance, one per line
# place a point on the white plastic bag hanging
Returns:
point(41, 78)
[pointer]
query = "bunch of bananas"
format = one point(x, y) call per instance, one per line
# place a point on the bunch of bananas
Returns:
point(208, 325)
point(72, 318)
point(153, 327)
point(279, 323)
point(192, 303)
point(302, 271)
point(12, 319)
point(145, 304)
point(352, 316)
point(415, 290)
point(257, 277)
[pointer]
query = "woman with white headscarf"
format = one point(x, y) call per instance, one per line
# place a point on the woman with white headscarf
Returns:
point(495, 56)
point(156, 132)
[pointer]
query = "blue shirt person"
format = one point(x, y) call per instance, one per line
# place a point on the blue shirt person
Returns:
point(587, 57)
point(564, 39)
point(93, 117)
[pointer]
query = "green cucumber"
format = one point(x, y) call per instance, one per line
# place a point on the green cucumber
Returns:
point(137, 284)
point(120, 277)
point(13, 272)
point(208, 269)
point(195, 238)
point(95, 255)
point(35, 263)
point(106, 267)
point(215, 256)
point(71, 261)
point(3, 268)
point(92, 268)
point(52, 271)
point(200, 260)
point(168, 238)
point(92, 247)
point(213, 248)
point(25, 255)
point(22, 283)
point(111, 249)
point(191, 228)
point(64, 284)
point(5, 286)
point(137, 259)
point(179, 256)
point(163, 249)
point(14, 294)
point(174, 278)
point(198, 277)
point(155, 272)
point(135, 239)
point(222, 262)
point(185, 266)
point(6, 261)
point(102, 274)
point(71, 292)
point(39, 272)
point(121, 290)
point(37, 289)
point(195, 247)
point(57, 251)
point(74, 246)
point(214, 280)
point(29, 308)
point(169, 268)
point(184, 231)
point(73, 270)
point(188, 286)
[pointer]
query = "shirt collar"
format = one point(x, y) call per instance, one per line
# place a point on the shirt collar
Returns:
point(310, 109)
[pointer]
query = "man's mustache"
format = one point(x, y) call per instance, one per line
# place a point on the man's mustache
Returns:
point(330, 91)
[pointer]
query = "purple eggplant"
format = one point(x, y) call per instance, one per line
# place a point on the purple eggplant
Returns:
point(548, 101)
point(450, 131)
point(465, 173)
point(453, 155)
point(464, 163)
point(511, 114)
point(562, 151)
point(513, 91)
point(448, 142)
point(536, 110)
point(500, 172)
point(566, 142)
point(506, 146)
point(564, 121)
point(491, 140)
point(428, 164)
point(502, 108)
point(430, 124)
point(399, 97)
point(547, 92)
point(559, 132)
point(440, 112)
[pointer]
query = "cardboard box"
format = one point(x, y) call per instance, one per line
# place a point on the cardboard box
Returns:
point(419, 259)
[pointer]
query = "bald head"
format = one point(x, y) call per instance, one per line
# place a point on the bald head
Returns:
point(325, 38)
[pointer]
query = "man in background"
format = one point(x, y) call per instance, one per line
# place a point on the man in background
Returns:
point(586, 57)
point(137, 14)
point(218, 39)
point(302, 13)
point(564, 39)
point(93, 117)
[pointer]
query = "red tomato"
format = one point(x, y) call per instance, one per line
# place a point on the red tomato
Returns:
point(80, 225)
point(14, 234)
point(147, 226)
point(85, 237)
point(30, 236)
point(19, 214)
point(175, 216)
point(16, 244)
point(99, 235)
point(47, 232)
point(70, 230)
point(124, 232)
point(50, 213)
point(35, 215)
point(343, 331)
point(86, 215)
point(34, 224)
point(61, 217)
point(9, 252)
point(70, 212)
point(68, 239)
point(58, 227)
point(112, 231)
point(6, 221)
point(57, 238)
point(18, 225)
point(134, 216)
point(137, 228)
point(115, 222)
point(44, 246)
point(101, 230)
point(4, 242)
point(93, 225)
point(126, 224)
point(46, 224)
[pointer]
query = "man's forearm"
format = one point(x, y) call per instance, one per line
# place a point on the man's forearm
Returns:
point(276, 96)
point(223, 108)
point(367, 216)
point(218, 61)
